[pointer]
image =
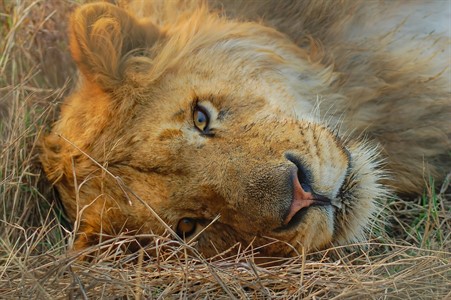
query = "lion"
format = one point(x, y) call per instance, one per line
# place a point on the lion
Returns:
point(245, 122)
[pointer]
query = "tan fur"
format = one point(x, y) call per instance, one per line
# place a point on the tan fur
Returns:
point(287, 85)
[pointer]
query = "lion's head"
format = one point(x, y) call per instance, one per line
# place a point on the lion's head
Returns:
point(204, 118)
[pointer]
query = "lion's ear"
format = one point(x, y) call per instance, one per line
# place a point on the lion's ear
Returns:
point(103, 37)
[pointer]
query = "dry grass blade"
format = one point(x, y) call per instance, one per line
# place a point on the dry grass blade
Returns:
point(412, 261)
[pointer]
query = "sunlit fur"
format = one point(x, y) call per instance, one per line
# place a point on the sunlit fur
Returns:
point(312, 80)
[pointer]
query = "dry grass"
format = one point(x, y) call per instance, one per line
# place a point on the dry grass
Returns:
point(411, 260)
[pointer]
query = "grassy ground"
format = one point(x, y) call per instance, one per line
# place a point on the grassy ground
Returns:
point(410, 259)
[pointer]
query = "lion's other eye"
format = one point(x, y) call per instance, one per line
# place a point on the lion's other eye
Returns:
point(200, 118)
point(186, 227)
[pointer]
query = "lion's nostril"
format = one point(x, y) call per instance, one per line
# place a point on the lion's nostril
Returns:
point(304, 175)
point(304, 181)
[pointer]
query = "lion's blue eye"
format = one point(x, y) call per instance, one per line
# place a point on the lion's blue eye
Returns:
point(200, 119)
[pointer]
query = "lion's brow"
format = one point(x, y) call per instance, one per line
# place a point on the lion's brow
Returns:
point(179, 115)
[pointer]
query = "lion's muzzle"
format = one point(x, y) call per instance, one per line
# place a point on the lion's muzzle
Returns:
point(280, 190)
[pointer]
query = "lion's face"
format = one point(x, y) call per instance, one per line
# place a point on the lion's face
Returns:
point(230, 129)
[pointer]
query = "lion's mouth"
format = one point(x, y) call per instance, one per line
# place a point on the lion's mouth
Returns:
point(299, 216)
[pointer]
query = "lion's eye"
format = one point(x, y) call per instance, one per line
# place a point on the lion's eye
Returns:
point(200, 118)
point(186, 227)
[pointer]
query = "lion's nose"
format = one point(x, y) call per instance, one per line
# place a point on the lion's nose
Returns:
point(303, 194)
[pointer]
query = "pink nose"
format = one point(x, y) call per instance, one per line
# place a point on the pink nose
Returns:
point(301, 199)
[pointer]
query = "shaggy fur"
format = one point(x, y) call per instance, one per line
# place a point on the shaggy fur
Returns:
point(304, 101)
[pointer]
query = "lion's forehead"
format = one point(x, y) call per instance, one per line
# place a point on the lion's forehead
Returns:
point(278, 93)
